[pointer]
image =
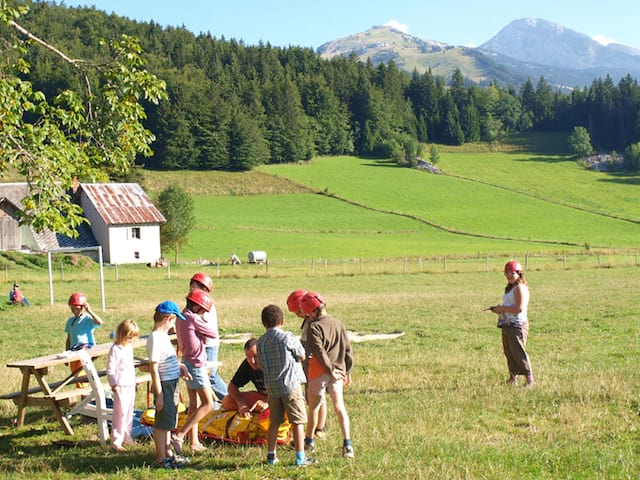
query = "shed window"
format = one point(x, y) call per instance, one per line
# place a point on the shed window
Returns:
point(135, 232)
point(136, 255)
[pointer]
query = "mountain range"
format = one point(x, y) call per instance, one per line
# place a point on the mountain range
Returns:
point(527, 48)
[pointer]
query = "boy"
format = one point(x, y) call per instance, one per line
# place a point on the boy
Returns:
point(280, 355)
point(165, 371)
point(80, 327)
point(329, 367)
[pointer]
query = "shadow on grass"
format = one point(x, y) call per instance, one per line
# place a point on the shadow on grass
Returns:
point(622, 178)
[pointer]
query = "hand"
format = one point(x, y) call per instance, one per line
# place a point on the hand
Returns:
point(184, 372)
point(347, 379)
point(337, 374)
point(159, 403)
point(244, 410)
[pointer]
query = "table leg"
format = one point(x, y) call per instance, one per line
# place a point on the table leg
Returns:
point(57, 411)
point(22, 401)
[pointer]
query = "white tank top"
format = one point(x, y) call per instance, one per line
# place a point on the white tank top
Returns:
point(511, 319)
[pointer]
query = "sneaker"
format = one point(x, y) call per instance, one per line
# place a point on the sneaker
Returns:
point(309, 446)
point(306, 462)
point(320, 434)
point(272, 460)
point(170, 464)
point(347, 452)
point(181, 460)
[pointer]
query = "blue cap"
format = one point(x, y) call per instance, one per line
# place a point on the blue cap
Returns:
point(170, 308)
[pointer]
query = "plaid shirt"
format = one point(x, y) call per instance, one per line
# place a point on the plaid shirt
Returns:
point(279, 354)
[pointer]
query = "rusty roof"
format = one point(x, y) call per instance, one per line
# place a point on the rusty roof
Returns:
point(122, 203)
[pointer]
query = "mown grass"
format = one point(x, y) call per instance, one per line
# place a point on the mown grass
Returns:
point(305, 226)
point(462, 205)
point(431, 404)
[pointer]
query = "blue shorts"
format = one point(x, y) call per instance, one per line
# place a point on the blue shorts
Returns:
point(167, 418)
point(199, 376)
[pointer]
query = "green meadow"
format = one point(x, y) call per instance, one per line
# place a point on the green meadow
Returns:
point(431, 404)
point(510, 202)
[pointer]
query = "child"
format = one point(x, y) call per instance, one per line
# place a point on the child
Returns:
point(293, 304)
point(165, 371)
point(280, 355)
point(329, 367)
point(80, 327)
point(192, 332)
point(202, 281)
point(16, 297)
point(121, 375)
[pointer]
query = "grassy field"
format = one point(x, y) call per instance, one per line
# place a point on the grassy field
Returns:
point(470, 206)
point(431, 404)
point(373, 239)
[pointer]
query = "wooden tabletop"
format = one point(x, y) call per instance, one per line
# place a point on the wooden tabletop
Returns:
point(66, 356)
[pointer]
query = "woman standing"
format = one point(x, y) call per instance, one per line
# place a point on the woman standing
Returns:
point(513, 320)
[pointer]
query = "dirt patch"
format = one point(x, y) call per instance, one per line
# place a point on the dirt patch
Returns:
point(355, 337)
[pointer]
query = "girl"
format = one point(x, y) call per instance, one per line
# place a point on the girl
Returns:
point(121, 375)
point(514, 322)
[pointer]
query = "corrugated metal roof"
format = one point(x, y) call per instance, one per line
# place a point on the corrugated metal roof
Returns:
point(122, 203)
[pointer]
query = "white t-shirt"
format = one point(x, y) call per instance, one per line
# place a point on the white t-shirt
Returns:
point(161, 351)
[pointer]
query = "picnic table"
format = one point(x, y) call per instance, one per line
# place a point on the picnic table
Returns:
point(66, 392)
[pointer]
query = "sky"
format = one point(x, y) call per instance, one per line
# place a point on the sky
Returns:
point(307, 23)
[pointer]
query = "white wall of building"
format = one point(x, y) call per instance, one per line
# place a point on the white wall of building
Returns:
point(125, 247)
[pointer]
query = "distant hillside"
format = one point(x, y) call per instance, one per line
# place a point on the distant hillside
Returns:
point(526, 48)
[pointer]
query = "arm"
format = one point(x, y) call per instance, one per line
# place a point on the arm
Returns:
point(521, 296)
point(156, 386)
point(204, 328)
point(112, 368)
point(96, 319)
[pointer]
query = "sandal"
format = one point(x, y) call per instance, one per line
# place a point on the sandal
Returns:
point(176, 443)
point(198, 448)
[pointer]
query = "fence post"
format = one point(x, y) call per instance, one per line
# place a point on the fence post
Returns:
point(116, 271)
point(420, 262)
point(444, 263)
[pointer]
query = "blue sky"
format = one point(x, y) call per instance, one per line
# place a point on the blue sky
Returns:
point(310, 24)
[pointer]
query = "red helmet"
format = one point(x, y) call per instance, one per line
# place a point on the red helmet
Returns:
point(310, 302)
point(293, 301)
point(204, 280)
point(513, 266)
point(201, 298)
point(77, 299)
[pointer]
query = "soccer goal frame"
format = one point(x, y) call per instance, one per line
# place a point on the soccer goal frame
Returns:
point(77, 250)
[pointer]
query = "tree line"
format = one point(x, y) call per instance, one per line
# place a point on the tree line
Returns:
point(233, 106)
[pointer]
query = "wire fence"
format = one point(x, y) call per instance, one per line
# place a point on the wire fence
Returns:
point(330, 267)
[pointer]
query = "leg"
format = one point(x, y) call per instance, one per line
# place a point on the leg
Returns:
point(161, 442)
point(118, 422)
point(218, 385)
point(314, 407)
point(337, 398)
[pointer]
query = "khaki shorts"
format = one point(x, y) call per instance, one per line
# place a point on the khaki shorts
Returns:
point(324, 384)
point(294, 405)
